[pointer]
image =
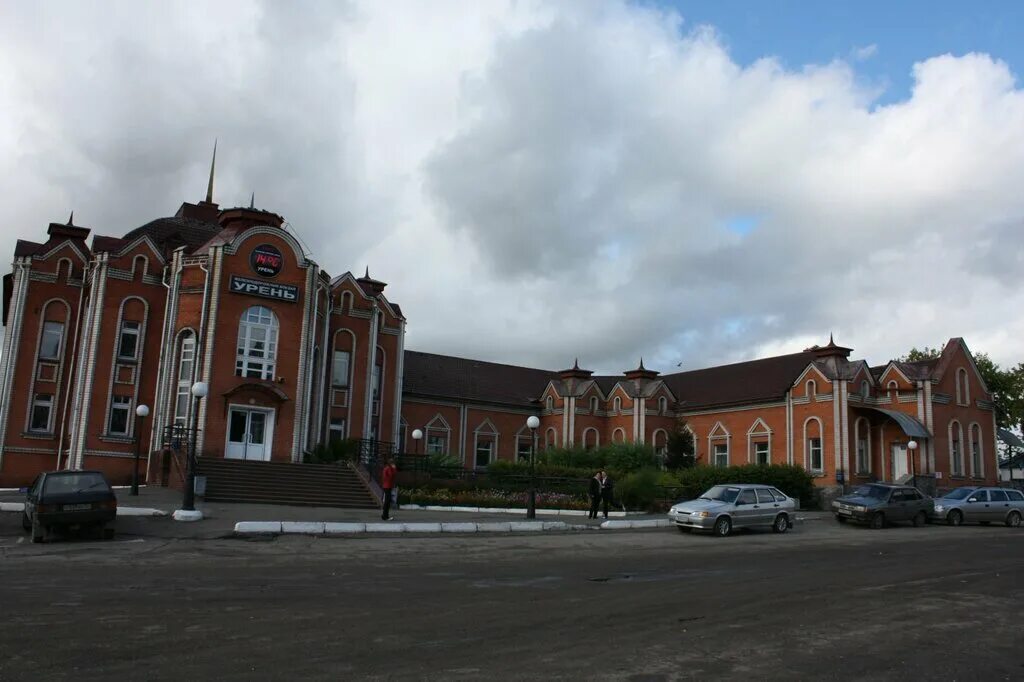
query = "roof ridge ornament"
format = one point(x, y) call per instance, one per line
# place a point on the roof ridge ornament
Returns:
point(252, 201)
point(213, 165)
point(71, 219)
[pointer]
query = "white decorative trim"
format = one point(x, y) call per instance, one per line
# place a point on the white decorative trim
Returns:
point(302, 394)
point(209, 326)
point(84, 398)
point(757, 429)
point(12, 336)
point(821, 437)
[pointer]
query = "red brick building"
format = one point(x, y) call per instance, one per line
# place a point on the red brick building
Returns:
point(294, 357)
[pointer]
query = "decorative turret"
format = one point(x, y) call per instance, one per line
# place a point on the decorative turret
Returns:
point(641, 372)
point(372, 287)
point(575, 372)
point(831, 350)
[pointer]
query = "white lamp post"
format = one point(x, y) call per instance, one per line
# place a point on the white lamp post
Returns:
point(532, 422)
point(188, 511)
point(912, 446)
point(141, 412)
point(417, 436)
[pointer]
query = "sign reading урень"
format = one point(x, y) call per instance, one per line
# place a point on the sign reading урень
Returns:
point(253, 287)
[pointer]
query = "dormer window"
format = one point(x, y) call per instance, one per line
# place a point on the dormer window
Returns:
point(865, 389)
point(549, 403)
point(811, 388)
point(617, 404)
point(662, 405)
point(593, 405)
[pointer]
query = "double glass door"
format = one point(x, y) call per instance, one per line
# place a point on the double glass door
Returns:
point(250, 433)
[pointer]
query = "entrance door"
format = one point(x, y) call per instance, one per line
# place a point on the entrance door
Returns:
point(899, 462)
point(249, 434)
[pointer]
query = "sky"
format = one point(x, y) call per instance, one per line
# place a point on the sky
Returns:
point(691, 182)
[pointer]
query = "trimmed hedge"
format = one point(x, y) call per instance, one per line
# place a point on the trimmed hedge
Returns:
point(488, 498)
point(644, 489)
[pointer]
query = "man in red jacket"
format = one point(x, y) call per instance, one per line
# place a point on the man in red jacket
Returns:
point(387, 484)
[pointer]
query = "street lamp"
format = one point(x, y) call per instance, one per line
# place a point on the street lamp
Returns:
point(417, 436)
point(188, 502)
point(912, 446)
point(141, 412)
point(532, 422)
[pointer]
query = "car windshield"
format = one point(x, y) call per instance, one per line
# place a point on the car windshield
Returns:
point(959, 493)
point(721, 493)
point(876, 491)
point(63, 484)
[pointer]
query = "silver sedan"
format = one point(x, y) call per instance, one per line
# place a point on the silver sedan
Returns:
point(725, 507)
point(979, 505)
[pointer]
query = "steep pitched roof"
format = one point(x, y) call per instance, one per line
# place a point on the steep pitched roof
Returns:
point(743, 382)
point(444, 376)
point(170, 233)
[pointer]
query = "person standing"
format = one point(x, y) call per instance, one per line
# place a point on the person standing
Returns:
point(387, 484)
point(607, 492)
point(595, 495)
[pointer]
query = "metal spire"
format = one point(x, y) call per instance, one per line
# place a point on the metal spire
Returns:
point(71, 219)
point(252, 200)
point(213, 165)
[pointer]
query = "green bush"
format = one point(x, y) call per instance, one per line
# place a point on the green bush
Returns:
point(640, 489)
point(793, 480)
point(623, 457)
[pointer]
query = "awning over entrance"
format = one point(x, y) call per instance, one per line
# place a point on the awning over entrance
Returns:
point(910, 425)
point(1010, 438)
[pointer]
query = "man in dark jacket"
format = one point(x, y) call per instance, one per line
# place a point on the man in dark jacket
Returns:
point(595, 495)
point(607, 492)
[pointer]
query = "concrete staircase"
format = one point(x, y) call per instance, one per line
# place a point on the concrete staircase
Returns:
point(319, 485)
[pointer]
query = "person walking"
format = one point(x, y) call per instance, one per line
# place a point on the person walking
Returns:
point(607, 492)
point(387, 484)
point(595, 495)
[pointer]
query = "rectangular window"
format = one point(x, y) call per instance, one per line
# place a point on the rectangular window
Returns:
point(524, 446)
point(761, 455)
point(337, 430)
point(49, 345)
point(185, 365)
point(814, 450)
point(128, 343)
point(376, 382)
point(958, 462)
point(120, 407)
point(437, 445)
point(484, 448)
point(862, 456)
point(975, 459)
point(721, 454)
point(42, 407)
point(339, 374)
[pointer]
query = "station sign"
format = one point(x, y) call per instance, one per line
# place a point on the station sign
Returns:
point(254, 287)
point(266, 260)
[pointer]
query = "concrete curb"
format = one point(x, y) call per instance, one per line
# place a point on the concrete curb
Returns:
point(329, 528)
point(121, 511)
point(646, 523)
point(511, 510)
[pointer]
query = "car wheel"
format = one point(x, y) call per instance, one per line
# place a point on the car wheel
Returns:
point(920, 519)
point(955, 518)
point(38, 532)
point(723, 526)
point(878, 520)
point(1013, 519)
point(25, 522)
point(781, 524)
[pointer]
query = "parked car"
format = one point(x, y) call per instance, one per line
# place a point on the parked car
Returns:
point(878, 504)
point(979, 505)
point(69, 501)
point(725, 507)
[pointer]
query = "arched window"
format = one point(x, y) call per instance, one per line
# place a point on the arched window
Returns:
point(137, 269)
point(865, 389)
point(892, 385)
point(811, 388)
point(977, 452)
point(660, 441)
point(662, 405)
point(186, 367)
point(591, 438)
point(617, 404)
point(593, 404)
point(963, 391)
point(551, 437)
point(814, 453)
point(549, 403)
point(257, 343)
point(956, 452)
point(618, 436)
point(862, 438)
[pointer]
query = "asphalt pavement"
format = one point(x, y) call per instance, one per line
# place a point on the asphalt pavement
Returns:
point(820, 602)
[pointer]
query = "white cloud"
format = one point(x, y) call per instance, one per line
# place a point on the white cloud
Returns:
point(541, 181)
point(863, 53)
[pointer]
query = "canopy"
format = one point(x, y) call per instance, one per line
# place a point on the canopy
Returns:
point(910, 425)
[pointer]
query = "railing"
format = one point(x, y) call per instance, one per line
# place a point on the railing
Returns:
point(180, 440)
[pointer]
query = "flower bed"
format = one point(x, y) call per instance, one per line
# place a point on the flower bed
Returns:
point(488, 498)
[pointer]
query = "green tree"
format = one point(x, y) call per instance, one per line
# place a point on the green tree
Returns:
point(918, 354)
point(680, 448)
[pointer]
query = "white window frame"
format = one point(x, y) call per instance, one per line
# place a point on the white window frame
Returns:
point(977, 451)
point(129, 328)
point(246, 361)
point(183, 396)
point(720, 454)
point(818, 449)
point(339, 354)
point(956, 448)
point(862, 445)
point(120, 403)
point(767, 452)
point(48, 326)
point(336, 431)
point(41, 400)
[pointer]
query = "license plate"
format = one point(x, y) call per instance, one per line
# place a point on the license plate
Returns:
point(77, 507)
point(845, 512)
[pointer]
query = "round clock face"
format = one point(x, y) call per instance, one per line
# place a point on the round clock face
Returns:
point(266, 260)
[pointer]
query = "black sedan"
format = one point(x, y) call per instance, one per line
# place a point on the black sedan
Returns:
point(69, 501)
point(879, 504)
